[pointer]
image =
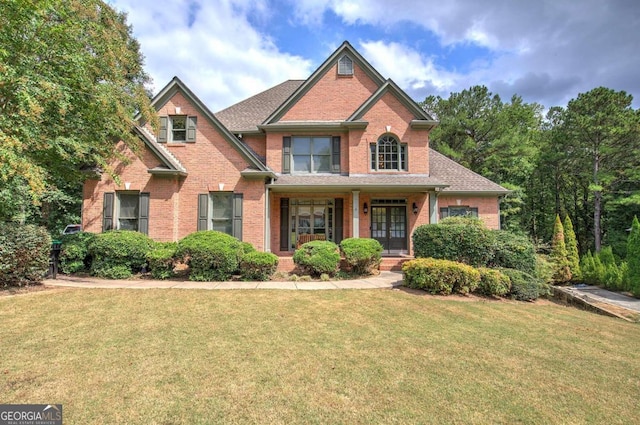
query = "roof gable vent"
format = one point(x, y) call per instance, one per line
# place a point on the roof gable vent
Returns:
point(345, 66)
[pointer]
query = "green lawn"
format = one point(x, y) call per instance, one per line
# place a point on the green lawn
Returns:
point(373, 356)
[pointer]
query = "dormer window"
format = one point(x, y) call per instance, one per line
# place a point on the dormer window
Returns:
point(345, 66)
point(388, 155)
point(177, 129)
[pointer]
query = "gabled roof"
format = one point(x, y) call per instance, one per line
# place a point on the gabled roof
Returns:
point(176, 85)
point(244, 116)
point(328, 64)
point(460, 179)
point(422, 117)
point(169, 163)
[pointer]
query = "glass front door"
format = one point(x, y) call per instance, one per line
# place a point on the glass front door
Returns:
point(389, 227)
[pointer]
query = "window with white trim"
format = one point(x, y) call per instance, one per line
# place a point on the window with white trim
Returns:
point(388, 155)
point(311, 154)
point(177, 129)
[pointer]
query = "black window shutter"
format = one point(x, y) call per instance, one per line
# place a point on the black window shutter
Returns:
point(162, 135)
point(444, 212)
point(107, 211)
point(286, 154)
point(335, 155)
point(143, 220)
point(191, 128)
point(237, 215)
point(474, 212)
point(339, 202)
point(203, 211)
point(404, 164)
point(284, 224)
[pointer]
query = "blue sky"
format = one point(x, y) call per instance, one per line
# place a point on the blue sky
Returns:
point(547, 51)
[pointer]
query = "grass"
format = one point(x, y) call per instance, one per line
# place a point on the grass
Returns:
point(288, 357)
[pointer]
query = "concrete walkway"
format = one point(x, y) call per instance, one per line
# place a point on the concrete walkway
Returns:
point(596, 293)
point(384, 280)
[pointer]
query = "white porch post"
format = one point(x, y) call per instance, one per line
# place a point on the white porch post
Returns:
point(355, 213)
point(433, 207)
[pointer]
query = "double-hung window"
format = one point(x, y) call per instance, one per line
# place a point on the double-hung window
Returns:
point(311, 154)
point(388, 155)
point(177, 129)
point(221, 211)
point(126, 210)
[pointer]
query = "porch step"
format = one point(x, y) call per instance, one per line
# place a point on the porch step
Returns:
point(393, 263)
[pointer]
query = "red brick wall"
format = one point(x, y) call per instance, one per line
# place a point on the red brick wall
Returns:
point(333, 97)
point(488, 207)
point(211, 160)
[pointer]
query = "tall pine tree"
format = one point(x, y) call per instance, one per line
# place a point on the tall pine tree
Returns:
point(572, 249)
point(559, 258)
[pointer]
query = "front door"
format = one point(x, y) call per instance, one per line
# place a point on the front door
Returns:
point(389, 227)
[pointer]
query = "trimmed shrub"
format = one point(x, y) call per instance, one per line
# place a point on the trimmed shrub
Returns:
point(24, 254)
point(161, 260)
point(471, 245)
point(440, 276)
point(210, 255)
point(493, 282)
point(258, 265)
point(317, 257)
point(513, 251)
point(362, 254)
point(247, 247)
point(544, 268)
point(463, 220)
point(74, 255)
point(525, 287)
point(119, 250)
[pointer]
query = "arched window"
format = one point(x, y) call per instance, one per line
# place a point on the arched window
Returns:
point(388, 155)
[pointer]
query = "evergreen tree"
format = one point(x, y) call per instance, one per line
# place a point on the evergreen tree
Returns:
point(588, 268)
point(572, 249)
point(633, 258)
point(559, 257)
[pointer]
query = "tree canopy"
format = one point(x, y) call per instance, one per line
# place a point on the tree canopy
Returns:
point(71, 83)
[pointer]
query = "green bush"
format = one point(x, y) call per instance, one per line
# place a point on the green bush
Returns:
point(317, 257)
point(161, 260)
point(493, 282)
point(247, 247)
point(525, 287)
point(210, 255)
point(74, 255)
point(362, 254)
point(258, 265)
point(463, 220)
point(544, 268)
point(440, 276)
point(471, 245)
point(24, 254)
point(513, 251)
point(119, 250)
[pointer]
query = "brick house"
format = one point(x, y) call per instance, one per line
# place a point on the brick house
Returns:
point(344, 153)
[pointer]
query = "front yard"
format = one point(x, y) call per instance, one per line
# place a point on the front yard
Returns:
point(377, 356)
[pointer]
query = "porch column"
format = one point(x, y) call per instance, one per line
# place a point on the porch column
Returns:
point(355, 213)
point(433, 207)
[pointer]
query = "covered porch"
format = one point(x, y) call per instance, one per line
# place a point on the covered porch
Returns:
point(334, 207)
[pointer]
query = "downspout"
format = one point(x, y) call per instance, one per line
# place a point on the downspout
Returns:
point(267, 216)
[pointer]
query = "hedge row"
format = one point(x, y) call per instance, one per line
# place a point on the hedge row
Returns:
point(469, 241)
point(24, 254)
point(445, 277)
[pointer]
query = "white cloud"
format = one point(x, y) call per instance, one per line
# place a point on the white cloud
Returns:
point(221, 56)
point(406, 66)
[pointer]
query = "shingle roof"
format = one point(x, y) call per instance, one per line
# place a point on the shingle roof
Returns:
point(458, 178)
point(245, 116)
point(370, 181)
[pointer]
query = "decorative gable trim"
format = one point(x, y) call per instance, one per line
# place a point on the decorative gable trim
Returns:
point(344, 49)
point(176, 85)
point(423, 119)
